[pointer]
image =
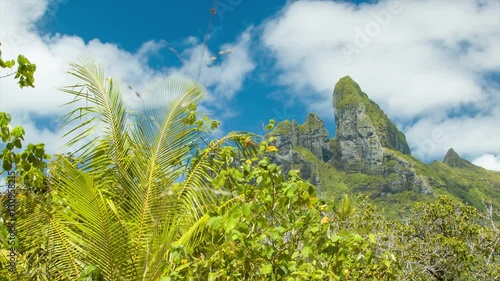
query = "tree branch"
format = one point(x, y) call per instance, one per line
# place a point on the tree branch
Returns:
point(7, 75)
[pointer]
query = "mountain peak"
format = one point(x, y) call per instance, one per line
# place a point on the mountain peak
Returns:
point(452, 159)
point(348, 93)
point(349, 100)
point(355, 113)
point(313, 122)
point(367, 155)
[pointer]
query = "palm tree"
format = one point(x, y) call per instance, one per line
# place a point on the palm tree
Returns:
point(139, 188)
point(344, 208)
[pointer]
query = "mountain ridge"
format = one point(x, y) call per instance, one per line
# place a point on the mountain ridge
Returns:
point(370, 155)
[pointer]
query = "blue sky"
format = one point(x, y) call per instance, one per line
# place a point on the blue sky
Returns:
point(131, 24)
point(435, 74)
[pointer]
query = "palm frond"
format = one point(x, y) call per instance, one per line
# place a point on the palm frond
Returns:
point(344, 208)
point(167, 140)
point(106, 110)
point(127, 205)
point(202, 171)
point(97, 235)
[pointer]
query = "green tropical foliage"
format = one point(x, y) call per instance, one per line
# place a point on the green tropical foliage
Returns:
point(275, 229)
point(133, 191)
point(30, 163)
point(147, 195)
point(24, 73)
point(445, 241)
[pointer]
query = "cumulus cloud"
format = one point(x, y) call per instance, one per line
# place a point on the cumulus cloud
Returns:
point(420, 60)
point(469, 136)
point(223, 72)
point(52, 54)
point(488, 161)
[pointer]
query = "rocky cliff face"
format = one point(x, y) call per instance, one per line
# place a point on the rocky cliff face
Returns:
point(311, 135)
point(362, 130)
point(366, 142)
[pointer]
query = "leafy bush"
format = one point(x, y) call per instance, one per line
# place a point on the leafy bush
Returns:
point(274, 228)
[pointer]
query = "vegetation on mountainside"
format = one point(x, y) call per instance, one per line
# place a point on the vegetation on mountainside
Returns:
point(453, 160)
point(334, 184)
point(401, 179)
point(283, 128)
point(472, 185)
point(312, 123)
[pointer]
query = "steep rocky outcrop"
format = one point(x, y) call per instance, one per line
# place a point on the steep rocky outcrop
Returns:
point(366, 142)
point(311, 135)
point(453, 160)
point(362, 130)
point(370, 155)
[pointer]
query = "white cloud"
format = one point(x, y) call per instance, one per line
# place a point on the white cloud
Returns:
point(420, 62)
point(419, 59)
point(52, 54)
point(224, 73)
point(468, 136)
point(488, 161)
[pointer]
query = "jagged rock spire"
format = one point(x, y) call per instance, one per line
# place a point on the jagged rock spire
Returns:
point(356, 114)
point(453, 160)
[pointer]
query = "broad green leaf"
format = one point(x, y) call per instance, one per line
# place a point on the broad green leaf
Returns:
point(18, 131)
point(306, 251)
point(266, 269)
point(372, 238)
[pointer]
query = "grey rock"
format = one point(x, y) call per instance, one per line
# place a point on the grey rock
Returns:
point(363, 130)
point(366, 141)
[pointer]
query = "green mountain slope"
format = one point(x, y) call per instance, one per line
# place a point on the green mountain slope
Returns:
point(369, 155)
